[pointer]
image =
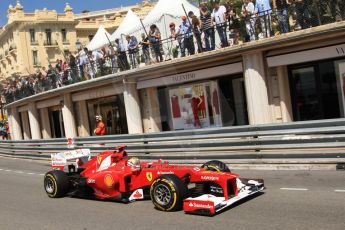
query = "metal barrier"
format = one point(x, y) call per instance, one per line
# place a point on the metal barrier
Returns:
point(311, 142)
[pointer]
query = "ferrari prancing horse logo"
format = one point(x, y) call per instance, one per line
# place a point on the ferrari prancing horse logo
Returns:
point(149, 176)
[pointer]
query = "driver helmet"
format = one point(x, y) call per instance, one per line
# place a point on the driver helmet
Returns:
point(133, 161)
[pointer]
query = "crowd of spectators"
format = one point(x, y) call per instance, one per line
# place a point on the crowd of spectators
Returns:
point(4, 130)
point(233, 23)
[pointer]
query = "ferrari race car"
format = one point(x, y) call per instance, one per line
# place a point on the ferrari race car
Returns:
point(204, 190)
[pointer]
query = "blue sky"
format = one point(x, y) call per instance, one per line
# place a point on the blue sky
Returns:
point(59, 5)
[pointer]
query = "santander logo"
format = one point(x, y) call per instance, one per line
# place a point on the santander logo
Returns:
point(196, 205)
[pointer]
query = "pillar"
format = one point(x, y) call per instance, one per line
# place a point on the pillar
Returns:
point(131, 98)
point(256, 89)
point(26, 125)
point(83, 124)
point(68, 117)
point(150, 110)
point(284, 90)
point(46, 130)
point(15, 127)
point(34, 122)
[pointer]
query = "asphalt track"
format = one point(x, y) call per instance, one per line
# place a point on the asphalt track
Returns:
point(293, 200)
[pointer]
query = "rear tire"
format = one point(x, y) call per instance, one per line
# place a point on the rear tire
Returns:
point(216, 166)
point(56, 184)
point(168, 192)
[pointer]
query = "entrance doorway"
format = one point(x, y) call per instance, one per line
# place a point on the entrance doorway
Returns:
point(234, 102)
point(56, 123)
point(314, 91)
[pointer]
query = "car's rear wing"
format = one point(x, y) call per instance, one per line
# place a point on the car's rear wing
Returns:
point(70, 158)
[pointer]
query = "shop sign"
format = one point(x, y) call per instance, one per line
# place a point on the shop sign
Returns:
point(202, 74)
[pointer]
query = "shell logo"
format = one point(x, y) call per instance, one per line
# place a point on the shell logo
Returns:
point(108, 180)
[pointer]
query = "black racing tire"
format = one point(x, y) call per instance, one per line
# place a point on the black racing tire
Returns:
point(167, 193)
point(215, 166)
point(56, 184)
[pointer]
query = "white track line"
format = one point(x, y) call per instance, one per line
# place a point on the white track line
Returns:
point(21, 172)
point(294, 189)
point(339, 190)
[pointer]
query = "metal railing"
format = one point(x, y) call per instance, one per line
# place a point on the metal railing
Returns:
point(266, 24)
point(311, 142)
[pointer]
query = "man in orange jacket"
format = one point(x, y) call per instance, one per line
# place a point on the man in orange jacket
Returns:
point(100, 127)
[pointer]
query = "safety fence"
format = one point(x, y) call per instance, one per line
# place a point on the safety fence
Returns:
point(311, 142)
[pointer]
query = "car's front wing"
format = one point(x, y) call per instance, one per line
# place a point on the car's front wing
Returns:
point(210, 205)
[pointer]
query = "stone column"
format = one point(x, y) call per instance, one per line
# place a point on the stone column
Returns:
point(83, 124)
point(34, 122)
point(68, 117)
point(132, 104)
point(150, 110)
point(15, 127)
point(256, 89)
point(26, 125)
point(284, 90)
point(46, 130)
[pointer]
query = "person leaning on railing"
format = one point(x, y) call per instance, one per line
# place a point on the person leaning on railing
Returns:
point(206, 25)
point(302, 13)
point(145, 45)
point(281, 8)
point(155, 39)
point(219, 17)
point(248, 14)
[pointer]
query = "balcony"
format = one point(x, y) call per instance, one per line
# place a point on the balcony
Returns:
point(66, 42)
point(50, 43)
point(34, 43)
point(37, 64)
point(13, 49)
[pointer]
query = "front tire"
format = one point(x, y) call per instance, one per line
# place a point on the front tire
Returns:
point(56, 184)
point(168, 192)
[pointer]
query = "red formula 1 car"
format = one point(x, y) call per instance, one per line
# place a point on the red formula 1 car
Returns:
point(203, 190)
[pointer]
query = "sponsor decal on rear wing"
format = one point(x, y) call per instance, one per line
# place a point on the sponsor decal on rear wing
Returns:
point(59, 160)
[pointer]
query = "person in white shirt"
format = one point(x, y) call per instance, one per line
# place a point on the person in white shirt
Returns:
point(263, 10)
point(219, 17)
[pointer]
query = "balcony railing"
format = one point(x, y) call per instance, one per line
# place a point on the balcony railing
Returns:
point(50, 43)
point(66, 42)
point(34, 43)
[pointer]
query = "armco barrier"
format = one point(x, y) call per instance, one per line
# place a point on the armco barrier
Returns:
point(311, 142)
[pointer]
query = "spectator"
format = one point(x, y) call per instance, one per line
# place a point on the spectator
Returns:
point(248, 13)
point(73, 66)
point(263, 9)
point(303, 15)
point(133, 50)
point(100, 127)
point(281, 8)
point(175, 34)
point(219, 17)
point(122, 58)
point(98, 58)
point(207, 27)
point(154, 38)
point(146, 49)
point(196, 25)
point(234, 24)
point(185, 31)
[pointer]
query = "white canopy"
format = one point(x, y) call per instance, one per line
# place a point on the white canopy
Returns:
point(130, 21)
point(165, 12)
point(99, 40)
point(173, 8)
